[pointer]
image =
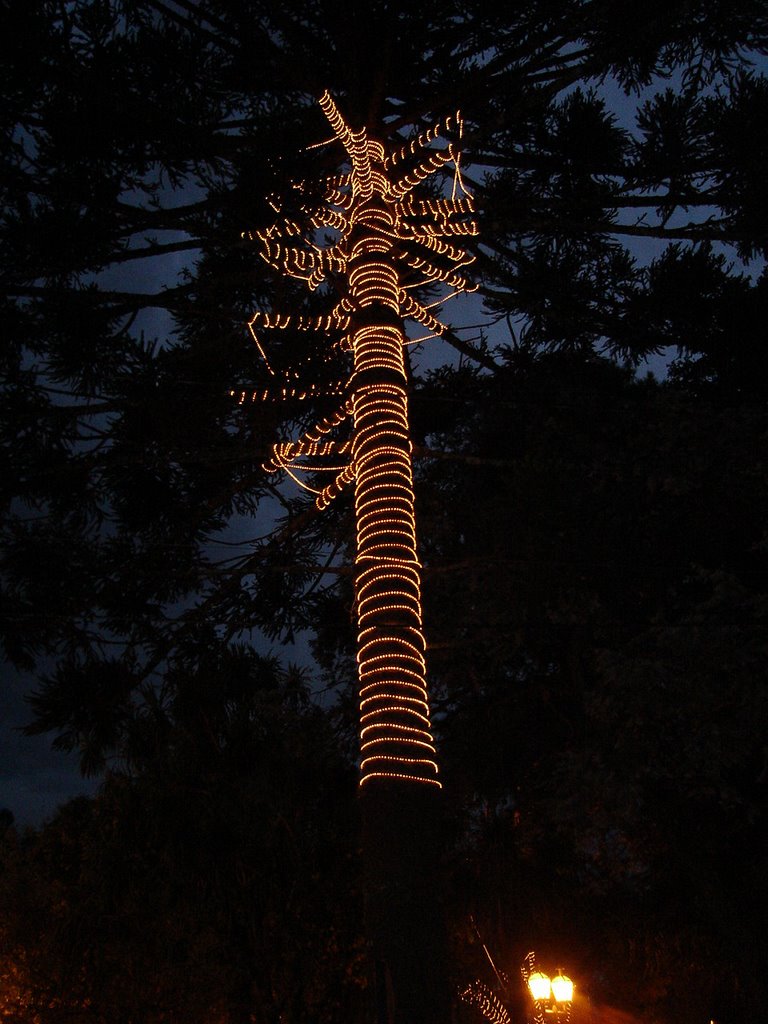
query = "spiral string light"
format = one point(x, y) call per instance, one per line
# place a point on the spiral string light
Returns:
point(384, 235)
point(490, 1006)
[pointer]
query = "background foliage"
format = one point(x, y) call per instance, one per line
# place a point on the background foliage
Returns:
point(593, 539)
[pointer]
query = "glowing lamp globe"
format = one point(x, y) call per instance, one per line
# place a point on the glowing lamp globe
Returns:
point(540, 985)
point(562, 988)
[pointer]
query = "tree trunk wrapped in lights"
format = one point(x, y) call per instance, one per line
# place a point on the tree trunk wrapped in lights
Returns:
point(386, 236)
point(389, 244)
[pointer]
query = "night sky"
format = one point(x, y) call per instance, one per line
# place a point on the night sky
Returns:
point(584, 699)
point(34, 778)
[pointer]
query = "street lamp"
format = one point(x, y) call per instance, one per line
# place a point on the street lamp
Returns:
point(552, 997)
point(540, 986)
point(562, 988)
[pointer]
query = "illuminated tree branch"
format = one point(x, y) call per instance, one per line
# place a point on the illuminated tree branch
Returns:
point(385, 237)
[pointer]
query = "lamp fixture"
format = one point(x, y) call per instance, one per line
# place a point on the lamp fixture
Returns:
point(552, 997)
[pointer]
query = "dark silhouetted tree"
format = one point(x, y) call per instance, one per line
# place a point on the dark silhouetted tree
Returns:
point(575, 522)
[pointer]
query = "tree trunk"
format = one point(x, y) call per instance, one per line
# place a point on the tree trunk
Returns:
point(399, 788)
point(404, 922)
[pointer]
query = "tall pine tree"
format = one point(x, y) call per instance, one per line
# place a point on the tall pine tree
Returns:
point(141, 139)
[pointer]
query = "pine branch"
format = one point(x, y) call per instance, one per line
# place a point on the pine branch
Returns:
point(186, 22)
point(189, 620)
point(477, 355)
point(423, 451)
point(154, 250)
point(124, 301)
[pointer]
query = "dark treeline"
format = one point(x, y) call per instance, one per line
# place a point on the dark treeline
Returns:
point(593, 539)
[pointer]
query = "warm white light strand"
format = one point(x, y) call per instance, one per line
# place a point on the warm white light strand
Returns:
point(381, 228)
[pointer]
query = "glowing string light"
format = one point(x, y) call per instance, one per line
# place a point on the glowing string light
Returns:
point(453, 122)
point(479, 995)
point(382, 228)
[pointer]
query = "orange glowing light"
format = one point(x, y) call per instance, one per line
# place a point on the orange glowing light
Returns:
point(383, 230)
point(490, 1006)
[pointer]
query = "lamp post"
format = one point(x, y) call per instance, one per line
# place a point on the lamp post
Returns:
point(552, 997)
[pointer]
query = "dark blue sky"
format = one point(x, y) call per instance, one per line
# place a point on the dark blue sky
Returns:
point(34, 779)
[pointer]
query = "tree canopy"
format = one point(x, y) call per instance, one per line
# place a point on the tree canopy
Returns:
point(593, 540)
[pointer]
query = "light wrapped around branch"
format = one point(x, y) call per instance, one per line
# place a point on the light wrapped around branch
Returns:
point(479, 995)
point(389, 242)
